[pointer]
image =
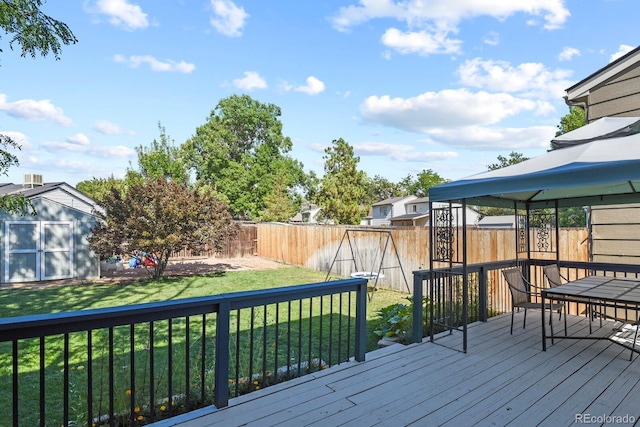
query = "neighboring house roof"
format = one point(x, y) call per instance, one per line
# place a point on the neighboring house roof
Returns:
point(419, 200)
point(391, 200)
point(410, 216)
point(579, 91)
point(497, 221)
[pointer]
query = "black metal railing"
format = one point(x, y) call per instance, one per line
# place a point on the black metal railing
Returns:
point(132, 365)
point(451, 306)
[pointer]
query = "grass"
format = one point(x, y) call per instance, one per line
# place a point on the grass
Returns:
point(88, 296)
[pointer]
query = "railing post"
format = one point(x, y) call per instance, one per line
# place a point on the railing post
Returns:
point(416, 335)
point(483, 295)
point(361, 321)
point(221, 386)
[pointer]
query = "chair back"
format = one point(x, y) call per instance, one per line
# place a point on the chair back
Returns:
point(519, 291)
point(552, 273)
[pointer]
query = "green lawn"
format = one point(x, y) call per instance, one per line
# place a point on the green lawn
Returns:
point(15, 302)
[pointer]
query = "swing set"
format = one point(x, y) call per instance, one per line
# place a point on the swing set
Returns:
point(358, 260)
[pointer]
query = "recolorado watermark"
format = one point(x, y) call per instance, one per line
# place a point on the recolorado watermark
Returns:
point(604, 419)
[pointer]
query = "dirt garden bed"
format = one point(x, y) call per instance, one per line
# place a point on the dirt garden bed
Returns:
point(175, 268)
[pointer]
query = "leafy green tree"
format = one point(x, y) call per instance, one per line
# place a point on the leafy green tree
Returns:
point(240, 150)
point(343, 187)
point(34, 32)
point(161, 217)
point(571, 121)
point(98, 188)
point(503, 161)
point(162, 159)
point(423, 182)
point(278, 204)
point(380, 188)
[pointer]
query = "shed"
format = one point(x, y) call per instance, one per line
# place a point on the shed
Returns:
point(53, 244)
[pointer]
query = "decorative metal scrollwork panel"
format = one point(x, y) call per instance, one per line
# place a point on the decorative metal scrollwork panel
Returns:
point(543, 223)
point(444, 223)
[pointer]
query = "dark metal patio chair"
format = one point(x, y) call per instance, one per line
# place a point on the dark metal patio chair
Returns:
point(525, 295)
point(554, 278)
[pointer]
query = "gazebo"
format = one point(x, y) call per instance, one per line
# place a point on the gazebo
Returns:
point(598, 164)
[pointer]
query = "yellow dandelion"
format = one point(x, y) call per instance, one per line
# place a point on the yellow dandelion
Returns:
point(140, 418)
point(255, 382)
point(163, 408)
point(136, 409)
point(230, 380)
point(128, 392)
point(257, 387)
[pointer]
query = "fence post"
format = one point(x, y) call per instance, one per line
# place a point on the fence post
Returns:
point(221, 386)
point(483, 295)
point(361, 321)
point(416, 335)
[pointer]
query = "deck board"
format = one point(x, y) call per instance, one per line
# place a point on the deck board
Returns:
point(502, 379)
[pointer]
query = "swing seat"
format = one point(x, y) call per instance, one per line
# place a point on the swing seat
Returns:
point(367, 275)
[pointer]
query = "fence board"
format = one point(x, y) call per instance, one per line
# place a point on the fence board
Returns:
point(315, 247)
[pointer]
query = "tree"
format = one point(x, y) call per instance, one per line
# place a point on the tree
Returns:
point(34, 31)
point(278, 204)
point(503, 162)
point(380, 188)
point(343, 187)
point(423, 182)
point(163, 159)
point(160, 217)
point(98, 188)
point(573, 120)
point(240, 150)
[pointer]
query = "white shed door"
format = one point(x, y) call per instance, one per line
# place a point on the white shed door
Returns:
point(38, 250)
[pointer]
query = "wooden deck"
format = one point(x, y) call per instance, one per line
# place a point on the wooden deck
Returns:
point(502, 379)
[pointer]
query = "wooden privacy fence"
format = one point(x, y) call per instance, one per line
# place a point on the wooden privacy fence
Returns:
point(315, 247)
point(244, 245)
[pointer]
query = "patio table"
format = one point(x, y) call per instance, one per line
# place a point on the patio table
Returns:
point(605, 292)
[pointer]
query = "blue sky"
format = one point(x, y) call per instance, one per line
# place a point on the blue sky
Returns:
point(411, 85)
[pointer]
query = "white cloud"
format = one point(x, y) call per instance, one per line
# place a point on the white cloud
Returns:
point(491, 138)
point(529, 79)
point(380, 148)
point(492, 39)
point(135, 61)
point(95, 151)
point(251, 80)
point(429, 24)
point(401, 152)
point(19, 138)
point(446, 109)
point(79, 139)
point(420, 42)
point(108, 128)
point(122, 14)
point(568, 53)
point(418, 12)
point(30, 109)
point(622, 50)
point(426, 156)
point(313, 87)
point(229, 19)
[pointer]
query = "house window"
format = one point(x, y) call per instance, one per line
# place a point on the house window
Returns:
point(414, 208)
point(384, 211)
